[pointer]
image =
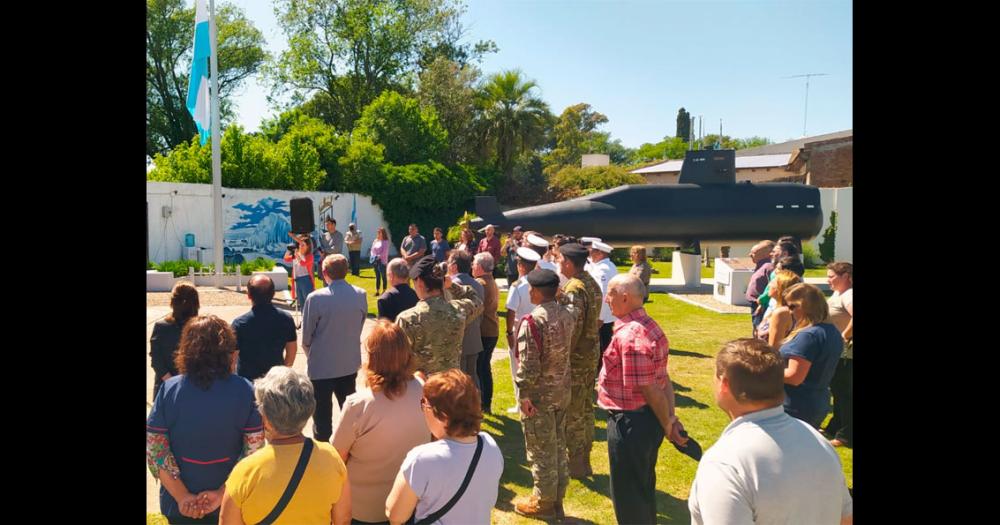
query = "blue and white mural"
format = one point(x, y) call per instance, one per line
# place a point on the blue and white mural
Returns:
point(257, 230)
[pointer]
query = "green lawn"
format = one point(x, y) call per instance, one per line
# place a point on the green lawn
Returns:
point(695, 336)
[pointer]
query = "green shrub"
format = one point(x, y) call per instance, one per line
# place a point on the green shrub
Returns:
point(810, 256)
point(826, 248)
point(260, 264)
point(179, 268)
point(621, 257)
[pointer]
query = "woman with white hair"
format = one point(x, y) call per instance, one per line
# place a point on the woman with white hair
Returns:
point(292, 480)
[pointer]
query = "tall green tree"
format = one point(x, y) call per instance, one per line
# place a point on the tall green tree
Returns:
point(683, 124)
point(513, 119)
point(450, 89)
point(342, 54)
point(668, 148)
point(169, 43)
point(575, 135)
point(408, 133)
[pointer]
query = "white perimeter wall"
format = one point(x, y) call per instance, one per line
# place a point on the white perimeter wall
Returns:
point(191, 212)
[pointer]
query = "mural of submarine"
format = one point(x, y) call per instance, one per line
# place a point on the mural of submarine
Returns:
point(707, 204)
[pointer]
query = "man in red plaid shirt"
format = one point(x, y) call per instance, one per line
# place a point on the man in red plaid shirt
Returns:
point(635, 389)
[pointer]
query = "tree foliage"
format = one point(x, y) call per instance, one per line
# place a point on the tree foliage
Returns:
point(683, 124)
point(344, 53)
point(574, 135)
point(408, 133)
point(513, 120)
point(169, 43)
point(450, 89)
point(572, 181)
point(248, 161)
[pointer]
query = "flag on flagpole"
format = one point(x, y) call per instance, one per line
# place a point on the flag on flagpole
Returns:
point(197, 99)
point(354, 212)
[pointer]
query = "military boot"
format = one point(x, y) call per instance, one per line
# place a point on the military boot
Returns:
point(560, 513)
point(532, 507)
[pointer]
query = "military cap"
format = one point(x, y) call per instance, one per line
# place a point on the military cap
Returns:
point(425, 266)
point(574, 250)
point(589, 240)
point(536, 240)
point(542, 278)
point(528, 254)
point(598, 245)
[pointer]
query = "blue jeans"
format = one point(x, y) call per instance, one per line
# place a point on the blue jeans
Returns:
point(381, 282)
point(303, 286)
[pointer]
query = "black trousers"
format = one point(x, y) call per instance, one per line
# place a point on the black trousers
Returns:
point(355, 259)
point(634, 439)
point(606, 333)
point(842, 386)
point(323, 390)
point(485, 372)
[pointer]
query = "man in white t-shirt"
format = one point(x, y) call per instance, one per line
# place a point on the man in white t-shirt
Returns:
point(767, 467)
point(602, 270)
point(518, 306)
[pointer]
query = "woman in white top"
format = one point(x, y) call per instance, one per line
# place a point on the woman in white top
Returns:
point(840, 276)
point(432, 474)
point(381, 423)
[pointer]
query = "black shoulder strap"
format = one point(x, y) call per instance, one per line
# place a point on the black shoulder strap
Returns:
point(293, 483)
point(461, 490)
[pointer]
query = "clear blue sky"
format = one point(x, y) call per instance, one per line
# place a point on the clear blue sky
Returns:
point(638, 62)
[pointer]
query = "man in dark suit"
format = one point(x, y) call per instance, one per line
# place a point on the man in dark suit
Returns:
point(399, 296)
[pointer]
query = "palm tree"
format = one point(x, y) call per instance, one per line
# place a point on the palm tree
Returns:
point(512, 118)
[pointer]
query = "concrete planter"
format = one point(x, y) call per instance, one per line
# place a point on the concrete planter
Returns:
point(159, 281)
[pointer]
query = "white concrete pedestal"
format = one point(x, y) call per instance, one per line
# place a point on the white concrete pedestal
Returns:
point(686, 269)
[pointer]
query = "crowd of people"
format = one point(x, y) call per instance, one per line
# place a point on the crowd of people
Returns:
point(225, 435)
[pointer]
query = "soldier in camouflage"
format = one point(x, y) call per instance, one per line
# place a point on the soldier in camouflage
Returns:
point(582, 297)
point(543, 379)
point(436, 325)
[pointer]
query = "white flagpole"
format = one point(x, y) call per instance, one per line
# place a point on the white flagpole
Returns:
point(216, 150)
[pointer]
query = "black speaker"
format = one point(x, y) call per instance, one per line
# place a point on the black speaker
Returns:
point(302, 215)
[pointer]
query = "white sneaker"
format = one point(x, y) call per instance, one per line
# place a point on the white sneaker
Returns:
point(513, 410)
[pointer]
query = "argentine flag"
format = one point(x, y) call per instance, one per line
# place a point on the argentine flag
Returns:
point(197, 99)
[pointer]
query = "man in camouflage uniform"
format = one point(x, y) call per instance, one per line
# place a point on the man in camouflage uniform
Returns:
point(582, 297)
point(543, 378)
point(436, 325)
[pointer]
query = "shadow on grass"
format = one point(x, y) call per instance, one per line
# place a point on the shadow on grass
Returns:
point(680, 400)
point(685, 353)
point(515, 469)
point(669, 508)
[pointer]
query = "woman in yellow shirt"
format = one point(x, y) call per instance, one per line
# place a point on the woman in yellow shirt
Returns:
point(286, 402)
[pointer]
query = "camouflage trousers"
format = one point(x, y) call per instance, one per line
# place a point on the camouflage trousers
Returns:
point(545, 444)
point(580, 421)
